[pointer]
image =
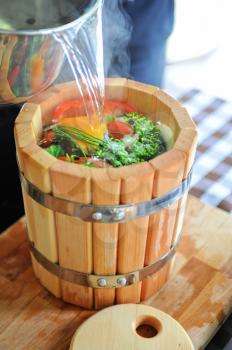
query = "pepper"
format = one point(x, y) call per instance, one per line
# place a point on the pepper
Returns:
point(76, 107)
point(70, 108)
point(118, 129)
point(47, 139)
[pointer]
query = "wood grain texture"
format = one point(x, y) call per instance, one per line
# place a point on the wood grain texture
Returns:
point(186, 143)
point(24, 136)
point(136, 186)
point(116, 89)
point(198, 294)
point(74, 236)
point(34, 163)
point(161, 230)
point(164, 112)
point(41, 231)
point(30, 114)
point(143, 98)
point(106, 186)
point(166, 105)
point(120, 323)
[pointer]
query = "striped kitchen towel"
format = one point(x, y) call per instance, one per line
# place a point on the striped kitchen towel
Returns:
point(212, 173)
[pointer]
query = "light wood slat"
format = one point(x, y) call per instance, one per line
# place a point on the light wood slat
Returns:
point(35, 163)
point(30, 113)
point(41, 231)
point(164, 112)
point(106, 191)
point(172, 113)
point(28, 129)
point(143, 98)
point(168, 175)
point(136, 186)
point(116, 89)
point(74, 236)
point(186, 143)
point(24, 136)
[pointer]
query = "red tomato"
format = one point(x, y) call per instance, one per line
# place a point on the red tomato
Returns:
point(70, 108)
point(74, 108)
point(47, 139)
point(118, 129)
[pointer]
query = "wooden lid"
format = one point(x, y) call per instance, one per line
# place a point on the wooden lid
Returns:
point(131, 327)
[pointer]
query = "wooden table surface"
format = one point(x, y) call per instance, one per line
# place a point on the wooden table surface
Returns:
point(198, 293)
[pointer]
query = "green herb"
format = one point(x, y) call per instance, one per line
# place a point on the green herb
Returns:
point(55, 150)
point(114, 151)
point(75, 135)
point(129, 150)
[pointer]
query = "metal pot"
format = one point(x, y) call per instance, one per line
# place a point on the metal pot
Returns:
point(30, 57)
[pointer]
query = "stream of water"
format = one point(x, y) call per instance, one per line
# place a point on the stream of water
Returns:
point(83, 48)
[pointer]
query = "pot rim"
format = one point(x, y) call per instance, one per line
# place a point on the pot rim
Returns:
point(47, 31)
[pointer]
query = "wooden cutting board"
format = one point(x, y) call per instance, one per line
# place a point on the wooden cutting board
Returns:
point(198, 294)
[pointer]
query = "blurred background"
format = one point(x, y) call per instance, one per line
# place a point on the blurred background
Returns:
point(199, 58)
point(199, 53)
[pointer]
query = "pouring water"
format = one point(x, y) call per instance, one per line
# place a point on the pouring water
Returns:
point(47, 39)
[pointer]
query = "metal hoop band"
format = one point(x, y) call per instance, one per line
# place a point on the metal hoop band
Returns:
point(103, 214)
point(102, 281)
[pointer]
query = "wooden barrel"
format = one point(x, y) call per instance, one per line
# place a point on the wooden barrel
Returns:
point(92, 262)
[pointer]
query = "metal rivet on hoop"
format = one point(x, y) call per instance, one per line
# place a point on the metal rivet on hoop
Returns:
point(122, 281)
point(97, 216)
point(119, 215)
point(101, 282)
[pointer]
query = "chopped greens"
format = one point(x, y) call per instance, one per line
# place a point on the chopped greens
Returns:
point(130, 138)
point(130, 150)
point(55, 150)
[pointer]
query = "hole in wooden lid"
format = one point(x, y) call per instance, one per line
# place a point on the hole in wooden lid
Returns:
point(147, 326)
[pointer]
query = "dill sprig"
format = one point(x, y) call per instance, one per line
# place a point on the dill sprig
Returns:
point(75, 134)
